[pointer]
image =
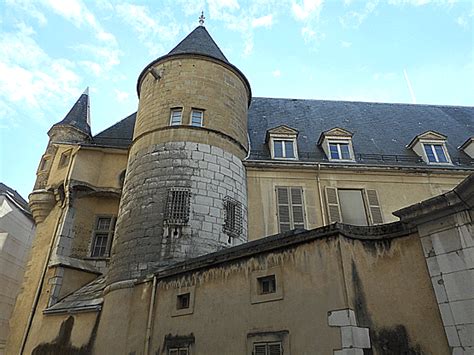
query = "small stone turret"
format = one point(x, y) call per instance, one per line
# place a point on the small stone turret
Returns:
point(185, 190)
point(74, 128)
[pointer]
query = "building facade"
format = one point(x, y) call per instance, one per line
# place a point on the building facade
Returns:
point(152, 235)
point(17, 230)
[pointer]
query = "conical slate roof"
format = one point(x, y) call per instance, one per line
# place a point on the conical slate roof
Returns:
point(199, 41)
point(79, 116)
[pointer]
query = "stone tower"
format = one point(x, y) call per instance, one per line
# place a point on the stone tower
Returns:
point(185, 190)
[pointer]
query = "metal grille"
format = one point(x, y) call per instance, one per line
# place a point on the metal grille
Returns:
point(177, 206)
point(273, 348)
point(232, 217)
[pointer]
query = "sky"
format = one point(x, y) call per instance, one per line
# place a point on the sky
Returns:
point(402, 51)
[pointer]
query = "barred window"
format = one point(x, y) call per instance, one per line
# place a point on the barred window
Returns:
point(178, 351)
point(102, 238)
point(232, 217)
point(177, 206)
point(273, 348)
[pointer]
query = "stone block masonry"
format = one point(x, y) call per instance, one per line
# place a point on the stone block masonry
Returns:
point(143, 241)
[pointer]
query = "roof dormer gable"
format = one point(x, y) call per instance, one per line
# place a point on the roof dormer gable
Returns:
point(431, 147)
point(335, 132)
point(282, 143)
point(282, 131)
point(337, 144)
point(468, 147)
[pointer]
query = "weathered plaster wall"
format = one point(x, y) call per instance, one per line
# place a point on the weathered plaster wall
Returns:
point(16, 236)
point(395, 189)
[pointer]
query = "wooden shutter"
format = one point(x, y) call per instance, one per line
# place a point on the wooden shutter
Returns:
point(283, 200)
point(374, 207)
point(297, 207)
point(332, 201)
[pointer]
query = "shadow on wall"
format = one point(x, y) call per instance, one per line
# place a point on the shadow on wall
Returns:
point(62, 344)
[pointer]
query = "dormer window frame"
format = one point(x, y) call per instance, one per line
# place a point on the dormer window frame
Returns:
point(337, 136)
point(420, 143)
point(468, 147)
point(288, 138)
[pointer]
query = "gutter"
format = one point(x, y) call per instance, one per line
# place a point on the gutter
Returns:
point(149, 325)
point(321, 203)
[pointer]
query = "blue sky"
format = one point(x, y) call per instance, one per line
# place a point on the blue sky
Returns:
point(410, 51)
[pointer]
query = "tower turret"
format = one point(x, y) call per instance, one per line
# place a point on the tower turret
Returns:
point(185, 190)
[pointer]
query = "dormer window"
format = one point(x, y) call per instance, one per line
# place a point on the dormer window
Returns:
point(176, 117)
point(282, 143)
point(431, 147)
point(337, 144)
point(435, 153)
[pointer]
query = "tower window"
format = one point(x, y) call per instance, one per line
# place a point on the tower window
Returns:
point(232, 217)
point(435, 153)
point(176, 117)
point(64, 159)
point(44, 164)
point(103, 235)
point(197, 118)
point(177, 206)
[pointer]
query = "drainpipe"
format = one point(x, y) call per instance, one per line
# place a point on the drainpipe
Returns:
point(45, 266)
point(150, 318)
point(321, 203)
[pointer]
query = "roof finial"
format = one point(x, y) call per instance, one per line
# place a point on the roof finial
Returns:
point(201, 19)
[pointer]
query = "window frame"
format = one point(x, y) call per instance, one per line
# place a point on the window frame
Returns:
point(256, 295)
point(285, 141)
point(431, 144)
point(64, 159)
point(233, 217)
point(177, 350)
point(193, 110)
point(340, 142)
point(267, 345)
point(171, 210)
point(172, 111)
point(177, 311)
point(110, 235)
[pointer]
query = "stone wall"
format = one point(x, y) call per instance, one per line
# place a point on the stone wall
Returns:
point(142, 242)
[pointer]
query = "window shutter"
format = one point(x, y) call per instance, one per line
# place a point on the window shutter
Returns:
point(297, 207)
point(374, 207)
point(274, 349)
point(283, 209)
point(332, 200)
point(259, 349)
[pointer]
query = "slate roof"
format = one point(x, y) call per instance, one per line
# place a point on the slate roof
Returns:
point(381, 130)
point(78, 116)
point(16, 198)
point(88, 297)
point(199, 41)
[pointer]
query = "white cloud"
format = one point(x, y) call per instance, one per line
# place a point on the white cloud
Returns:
point(148, 27)
point(108, 57)
point(345, 44)
point(264, 21)
point(353, 19)
point(302, 11)
point(276, 73)
point(92, 67)
point(312, 36)
point(29, 8)
point(121, 96)
point(29, 78)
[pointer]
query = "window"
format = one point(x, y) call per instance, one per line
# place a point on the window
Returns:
point(273, 348)
point(44, 164)
point(290, 208)
point(232, 217)
point(103, 235)
point(435, 153)
point(177, 207)
point(176, 117)
point(178, 351)
point(196, 118)
point(353, 206)
point(283, 149)
point(267, 284)
point(183, 301)
point(340, 151)
point(64, 159)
